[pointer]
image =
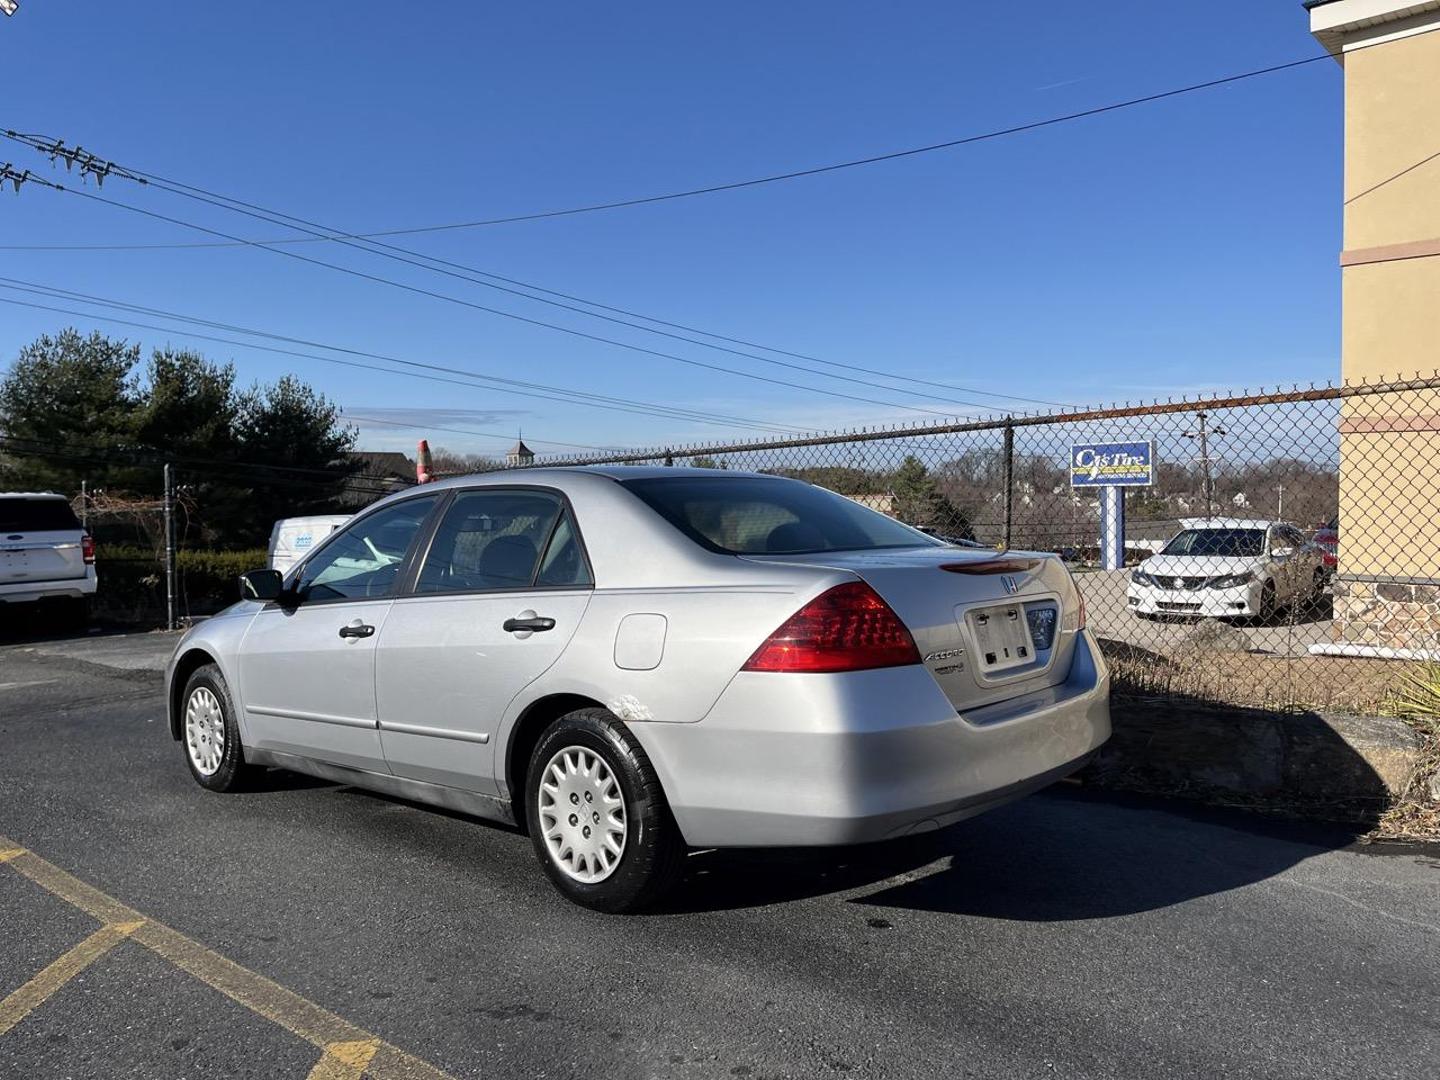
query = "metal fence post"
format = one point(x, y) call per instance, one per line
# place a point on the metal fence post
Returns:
point(1009, 481)
point(169, 548)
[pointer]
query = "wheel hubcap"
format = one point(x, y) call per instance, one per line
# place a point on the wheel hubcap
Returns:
point(582, 814)
point(204, 730)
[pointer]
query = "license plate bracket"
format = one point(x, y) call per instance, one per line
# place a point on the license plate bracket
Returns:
point(1002, 638)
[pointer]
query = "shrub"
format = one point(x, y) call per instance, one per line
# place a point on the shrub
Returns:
point(132, 581)
point(1417, 702)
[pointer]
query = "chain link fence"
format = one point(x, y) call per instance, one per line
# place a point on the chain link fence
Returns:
point(1285, 554)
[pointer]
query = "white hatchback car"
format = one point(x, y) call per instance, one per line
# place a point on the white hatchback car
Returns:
point(1229, 568)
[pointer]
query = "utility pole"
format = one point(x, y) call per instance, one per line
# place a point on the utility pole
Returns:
point(169, 548)
point(1203, 435)
point(1009, 481)
point(1280, 502)
point(85, 505)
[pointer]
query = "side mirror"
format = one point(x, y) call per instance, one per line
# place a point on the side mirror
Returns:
point(261, 585)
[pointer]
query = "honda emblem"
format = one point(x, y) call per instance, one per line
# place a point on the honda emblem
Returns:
point(1011, 585)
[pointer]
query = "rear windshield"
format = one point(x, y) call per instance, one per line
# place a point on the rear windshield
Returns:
point(749, 515)
point(36, 515)
point(1231, 542)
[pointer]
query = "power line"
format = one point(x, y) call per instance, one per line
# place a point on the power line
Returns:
point(492, 382)
point(334, 235)
point(184, 332)
point(499, 311)
point(102, 456)
point(238, 463)
point(473, 275)
point(1391, 179)
point(774, 178)
point(854, 163)
point(463, 431)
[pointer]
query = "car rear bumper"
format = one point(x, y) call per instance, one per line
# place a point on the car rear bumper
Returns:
point(20, 592)
point(1239, 601)
point(813, 760)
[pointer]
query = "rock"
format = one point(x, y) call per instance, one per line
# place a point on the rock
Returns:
point(1216, 636)
point(1316, 765)
point(1435, 786)
point(1340, 753)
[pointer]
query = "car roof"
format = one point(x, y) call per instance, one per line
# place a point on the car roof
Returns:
point(559, 475)
point(32, 495)
point(650, 472)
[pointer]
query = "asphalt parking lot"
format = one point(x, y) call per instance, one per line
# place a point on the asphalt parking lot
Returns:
point(150, 929)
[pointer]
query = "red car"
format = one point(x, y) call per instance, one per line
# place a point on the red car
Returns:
point(1327, 539)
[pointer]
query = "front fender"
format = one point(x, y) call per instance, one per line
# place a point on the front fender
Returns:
point(216, 640)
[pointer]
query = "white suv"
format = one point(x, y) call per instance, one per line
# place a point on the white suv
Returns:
point(44, 552)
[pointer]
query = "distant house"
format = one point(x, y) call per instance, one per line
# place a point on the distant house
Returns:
point(884, 504)
point(519, 455)
point(378, 473)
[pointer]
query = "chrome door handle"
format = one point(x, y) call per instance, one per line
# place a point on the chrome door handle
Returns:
point(356, 629)
point(535, 623)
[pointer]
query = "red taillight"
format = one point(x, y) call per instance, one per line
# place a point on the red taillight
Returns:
point(847, 628)
point(87, 547)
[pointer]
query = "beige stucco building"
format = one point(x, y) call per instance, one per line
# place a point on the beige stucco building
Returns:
point(1389, 557)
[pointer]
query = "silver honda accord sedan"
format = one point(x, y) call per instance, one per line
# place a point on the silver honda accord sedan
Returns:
point(630, 662)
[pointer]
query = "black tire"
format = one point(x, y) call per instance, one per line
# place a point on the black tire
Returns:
point(232, 774)
point(1269, 605)
point(652, 853)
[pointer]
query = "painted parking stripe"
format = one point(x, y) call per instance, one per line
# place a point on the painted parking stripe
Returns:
point(345, 1061)
point(22, 1002)
point(342, 1044)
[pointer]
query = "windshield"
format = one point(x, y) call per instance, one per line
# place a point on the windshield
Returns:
point(1231, 542)
point(760, 515)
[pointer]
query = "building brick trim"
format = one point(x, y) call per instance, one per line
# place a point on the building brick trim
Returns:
point(1414, 249)
point(1380, 425)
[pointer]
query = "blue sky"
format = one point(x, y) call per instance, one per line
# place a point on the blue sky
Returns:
point(1178, 246)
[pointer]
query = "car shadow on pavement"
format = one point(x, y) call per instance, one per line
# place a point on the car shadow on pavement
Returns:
point(1062, 855)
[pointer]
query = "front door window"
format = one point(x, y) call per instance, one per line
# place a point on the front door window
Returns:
point(365, 559)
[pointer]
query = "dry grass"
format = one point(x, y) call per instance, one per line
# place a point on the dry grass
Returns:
point(1256, 680)
point(1416, 700)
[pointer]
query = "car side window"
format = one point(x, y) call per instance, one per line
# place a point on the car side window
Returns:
point(489, 540)
point(365, 559)
point(564, 561)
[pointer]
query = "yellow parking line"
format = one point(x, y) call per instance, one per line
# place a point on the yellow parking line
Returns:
point(345, 1060)
point(343, 1044)
point(22, 1002)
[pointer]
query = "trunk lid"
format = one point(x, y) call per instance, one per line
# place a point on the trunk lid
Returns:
point(980, 619)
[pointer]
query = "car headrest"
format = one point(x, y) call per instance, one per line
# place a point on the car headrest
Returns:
point(508, 561)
